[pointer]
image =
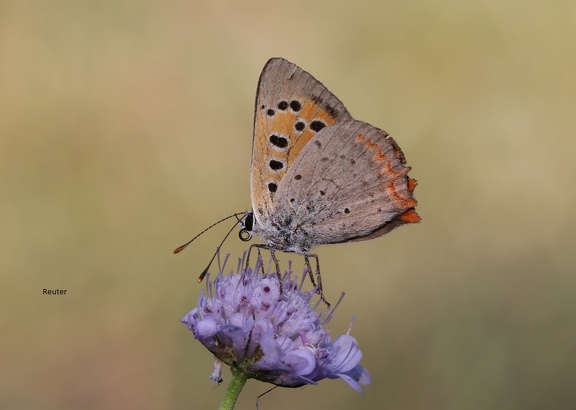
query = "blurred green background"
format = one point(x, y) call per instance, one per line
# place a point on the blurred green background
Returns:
point(126, 128)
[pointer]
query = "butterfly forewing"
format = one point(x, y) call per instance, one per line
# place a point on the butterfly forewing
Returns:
point(291, 107)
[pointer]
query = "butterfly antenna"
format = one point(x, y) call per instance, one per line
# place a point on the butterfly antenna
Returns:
point(182, 247)
point(205, 271)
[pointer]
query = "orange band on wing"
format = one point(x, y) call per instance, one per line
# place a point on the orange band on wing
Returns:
point(410, 216)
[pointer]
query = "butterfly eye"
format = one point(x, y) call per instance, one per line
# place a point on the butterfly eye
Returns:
point(249, 221)
point(247, 227)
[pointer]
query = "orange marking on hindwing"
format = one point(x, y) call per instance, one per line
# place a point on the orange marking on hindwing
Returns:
point(366, 141)
point(409, 203)
point(387, 170)
point(403, 202)
point(379, 156)
point(410, 216)
point(391, 190)
point(394, 172)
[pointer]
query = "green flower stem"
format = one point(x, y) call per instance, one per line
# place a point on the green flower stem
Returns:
point(233, 390)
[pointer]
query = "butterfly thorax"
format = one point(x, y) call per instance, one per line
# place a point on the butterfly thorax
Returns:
point(285, 235)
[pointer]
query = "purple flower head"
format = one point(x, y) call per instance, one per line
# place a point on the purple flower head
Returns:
point(272, 331)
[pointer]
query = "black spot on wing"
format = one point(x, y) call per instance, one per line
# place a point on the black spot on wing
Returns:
point(295, 105)
point(317, 125)
point(278, 141)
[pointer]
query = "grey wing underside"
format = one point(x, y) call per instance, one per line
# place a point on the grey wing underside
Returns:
point(348, 182)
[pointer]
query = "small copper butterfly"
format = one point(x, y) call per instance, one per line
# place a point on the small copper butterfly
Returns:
point(318, 176)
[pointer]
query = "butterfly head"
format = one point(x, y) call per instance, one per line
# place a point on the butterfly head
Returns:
point(247, 223)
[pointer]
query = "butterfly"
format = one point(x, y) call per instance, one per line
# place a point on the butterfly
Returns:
point(317, 175)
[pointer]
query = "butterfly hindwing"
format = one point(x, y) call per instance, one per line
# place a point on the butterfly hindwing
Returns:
point(349, 183)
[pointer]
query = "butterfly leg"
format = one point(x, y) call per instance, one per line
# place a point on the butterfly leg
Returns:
point(309, 270)
point(276, 263)
point(249, 253)
point(318, 283)
point(272, 254)
point(262, 265)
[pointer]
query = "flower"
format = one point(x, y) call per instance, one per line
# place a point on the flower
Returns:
point(269, 329)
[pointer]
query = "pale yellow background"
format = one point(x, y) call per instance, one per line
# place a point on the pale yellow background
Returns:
point(126, 128)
